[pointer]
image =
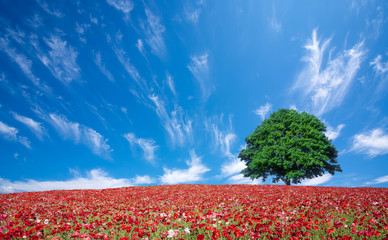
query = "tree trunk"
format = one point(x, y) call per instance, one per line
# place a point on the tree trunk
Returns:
point(288, 182)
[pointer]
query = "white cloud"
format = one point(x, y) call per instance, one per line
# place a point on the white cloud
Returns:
point(140, 46)
point(131, 70)
point(326, 84)
point(376, 23)
point(35, 21)
point(178, 128)
point(95, 179)
point(153, 31)
point(147, 145)
point(61, 59)
point(262, 111)
point(222, 136)
point(125, 6)
point(373, 143)
point(141, 180)
point(11, 134)
point(317, 181)
point(240, 179)
point(192, 174)
point(274, 23)
point(378, 180)
point(232, 167)
point(93, 19)
point(23, 62)
point(381, 71)
point(124, 110)
point(50, 11)
point(192, 15)
point(81, 29)
point(34, 126)
point(8, 132)
point(199, 67)
point(379, 67)
point(170, 84)
point(80, 134)
point(293, 107)
point(24, 141)
point(333, 133)
point(16, 34)
point(226, 141)
point(101, 66)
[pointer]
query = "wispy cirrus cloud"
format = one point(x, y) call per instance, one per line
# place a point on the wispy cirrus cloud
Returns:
point(11, 134)
point(81, 29)
point(61, 59)
point(101, 66)
point(192, 14)
point(49, 10)
point(376, 24)
point(262, 111)
point(170, 84)
point(8, 132)
point(381, 70)
point(153, 31)
point(379, 67)
point(333, 133)
point(373, 143)
point(147, 145)
point(199, 67)
point(222, 136)
point(132, 71)
point(24, 141)
point(178, 128)
point(80, 134)
point(326, 83)
point(378, 180)
point(192, 174)
point(23, 62)
point(34, 126)
point(274, 23)
point(175, 122)
point(124, 6)
point(35, 21)
point(95, 179)
point(140, 46)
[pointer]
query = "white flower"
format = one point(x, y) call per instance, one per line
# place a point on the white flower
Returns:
point(38, 220)
point(187, 230)
point(46, 221)
point(170, 233)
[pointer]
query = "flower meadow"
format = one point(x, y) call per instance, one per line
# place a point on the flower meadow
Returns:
point(197, 212)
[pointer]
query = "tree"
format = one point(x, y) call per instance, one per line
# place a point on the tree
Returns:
point(290, 146)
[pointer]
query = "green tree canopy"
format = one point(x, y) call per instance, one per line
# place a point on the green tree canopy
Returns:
point(290, 146)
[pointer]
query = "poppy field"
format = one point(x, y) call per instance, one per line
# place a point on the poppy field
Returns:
point(197, 212)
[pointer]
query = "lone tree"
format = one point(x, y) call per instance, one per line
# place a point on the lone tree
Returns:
point(290, 146)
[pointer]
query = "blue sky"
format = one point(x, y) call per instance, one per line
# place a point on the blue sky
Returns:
point(97, 94)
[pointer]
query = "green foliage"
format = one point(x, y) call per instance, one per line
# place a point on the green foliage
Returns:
point(290, 146)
